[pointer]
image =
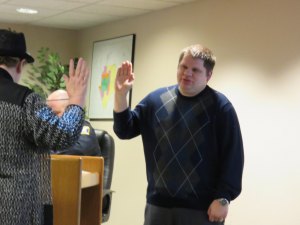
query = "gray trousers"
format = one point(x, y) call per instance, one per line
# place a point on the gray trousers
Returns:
point(155, 215)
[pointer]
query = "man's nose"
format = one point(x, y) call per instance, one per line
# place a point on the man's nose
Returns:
point(188, 72)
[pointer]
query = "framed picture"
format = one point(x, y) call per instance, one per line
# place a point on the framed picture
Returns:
point(108, 55)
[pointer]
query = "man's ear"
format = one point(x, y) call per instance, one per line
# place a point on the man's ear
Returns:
point(209, 74)
point(20, 65)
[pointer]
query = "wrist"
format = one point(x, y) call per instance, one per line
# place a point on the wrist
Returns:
point(223, 201)
point(77, 100)
point(120, 103)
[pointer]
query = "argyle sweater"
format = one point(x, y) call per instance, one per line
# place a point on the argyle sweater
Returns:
point(28, 130)
point(193, 146)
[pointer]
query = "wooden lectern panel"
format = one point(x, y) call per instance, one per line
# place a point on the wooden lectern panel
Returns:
point(71, 202)
point(66, 191)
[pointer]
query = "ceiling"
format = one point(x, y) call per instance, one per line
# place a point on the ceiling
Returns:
point(79, 14)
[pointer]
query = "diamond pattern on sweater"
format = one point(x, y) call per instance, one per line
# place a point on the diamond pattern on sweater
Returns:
point(177, 155)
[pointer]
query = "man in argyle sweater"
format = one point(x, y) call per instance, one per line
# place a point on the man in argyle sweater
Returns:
point(192, 143)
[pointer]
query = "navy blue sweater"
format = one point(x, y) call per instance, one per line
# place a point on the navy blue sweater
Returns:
point(193, 146)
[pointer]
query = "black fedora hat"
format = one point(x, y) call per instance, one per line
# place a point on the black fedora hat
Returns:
point(13, 44)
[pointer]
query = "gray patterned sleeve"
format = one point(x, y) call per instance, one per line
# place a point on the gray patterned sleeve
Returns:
point(47, 130)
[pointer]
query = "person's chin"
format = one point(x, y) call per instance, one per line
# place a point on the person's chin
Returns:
point(186, 86)
point(184, 91)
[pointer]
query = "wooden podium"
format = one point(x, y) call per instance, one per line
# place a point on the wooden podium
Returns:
point(77, 189)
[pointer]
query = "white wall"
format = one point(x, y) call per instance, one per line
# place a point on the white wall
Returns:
point(258, 64)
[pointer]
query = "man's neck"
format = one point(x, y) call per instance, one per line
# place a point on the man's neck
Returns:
point(12, 72)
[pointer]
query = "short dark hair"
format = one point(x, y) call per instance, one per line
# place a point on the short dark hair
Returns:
point(9, 61)
point(199, 52)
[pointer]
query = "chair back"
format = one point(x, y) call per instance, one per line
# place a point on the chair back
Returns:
point(107, 147)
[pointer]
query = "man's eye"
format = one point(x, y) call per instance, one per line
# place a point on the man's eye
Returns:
point(183, 67)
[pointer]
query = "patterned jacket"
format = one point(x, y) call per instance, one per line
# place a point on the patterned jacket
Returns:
point(28, 129)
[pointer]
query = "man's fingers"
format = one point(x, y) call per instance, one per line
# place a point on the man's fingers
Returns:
point(82, 68)
point(71, 67)
point(79, 66)
point(81, 71)
point(86, 73)
point(124, 74)
point(129, 68)
point(126, 66)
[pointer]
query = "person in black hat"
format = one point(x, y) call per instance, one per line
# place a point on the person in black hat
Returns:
point(28, 130)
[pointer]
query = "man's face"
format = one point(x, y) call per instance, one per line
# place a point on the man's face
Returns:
point(192, 76)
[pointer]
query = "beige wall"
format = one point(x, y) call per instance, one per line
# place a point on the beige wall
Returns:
point(258, 65)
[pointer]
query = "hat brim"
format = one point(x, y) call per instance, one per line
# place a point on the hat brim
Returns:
point(28, 58)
